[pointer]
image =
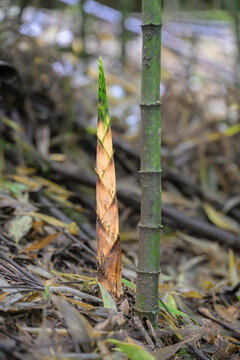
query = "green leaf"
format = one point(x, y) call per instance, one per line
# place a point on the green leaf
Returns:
point(91, 130)
point(172, 302)
point(46, 291)
point(12, 124)
point(102, 97)
point(129, 284)
point(133, 352)
point(172, 309)
point(16, 189)
point(232, 130)
point(108, 301)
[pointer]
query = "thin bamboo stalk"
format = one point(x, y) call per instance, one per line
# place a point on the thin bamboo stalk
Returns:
point(150, 172)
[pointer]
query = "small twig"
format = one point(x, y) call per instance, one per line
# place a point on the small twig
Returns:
point(22, 288)
point(15, 277)
point(78, 356)
point(21, 269)
point(37, 330)
point(3, 238)
point(81, 245)
point(80, 294)
point(70, 282)
point(12, 271)
point(195, 351)
point(144, 333)
point(153, 333)
point(75, 292)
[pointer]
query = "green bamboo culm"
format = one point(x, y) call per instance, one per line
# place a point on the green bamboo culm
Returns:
point(150, 172)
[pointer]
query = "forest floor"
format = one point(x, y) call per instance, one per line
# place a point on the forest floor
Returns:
point(50, 306)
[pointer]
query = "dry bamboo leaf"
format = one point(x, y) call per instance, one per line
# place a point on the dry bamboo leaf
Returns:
point(31, 184)
point(220, 220)
point(79, 303)
point(46, 218)
point(169, 351)
point(72, 227)
point(233, 269)
point(57, 157)
point(42, 243)
point(79, 327)
point(87, 279)
point(32, 297)
point(224, 313)
point(108, 244)
point(2, 296)
point(25, 170)
point(192, 294)
point(52, 186)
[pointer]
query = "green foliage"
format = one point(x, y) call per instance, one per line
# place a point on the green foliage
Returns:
point(91, 130)
point(133, 352)
point(207, 15)
point(171, 307)
point(14, 188)
point(108, 301)
point(183, 354)
point(103, 114)
point(129, 284)
point(46, 291)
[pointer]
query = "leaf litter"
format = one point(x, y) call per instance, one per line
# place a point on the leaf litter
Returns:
point(50, 304)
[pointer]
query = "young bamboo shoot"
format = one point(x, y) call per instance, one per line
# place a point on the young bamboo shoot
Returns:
point(108, 243)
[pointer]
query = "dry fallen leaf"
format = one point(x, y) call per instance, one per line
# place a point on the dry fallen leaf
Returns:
point(79, 327)
point(18, 227)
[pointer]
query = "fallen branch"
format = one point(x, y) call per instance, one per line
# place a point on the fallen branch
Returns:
point(132, 198)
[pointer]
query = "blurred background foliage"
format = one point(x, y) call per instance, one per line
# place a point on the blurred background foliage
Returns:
point(49, 81)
